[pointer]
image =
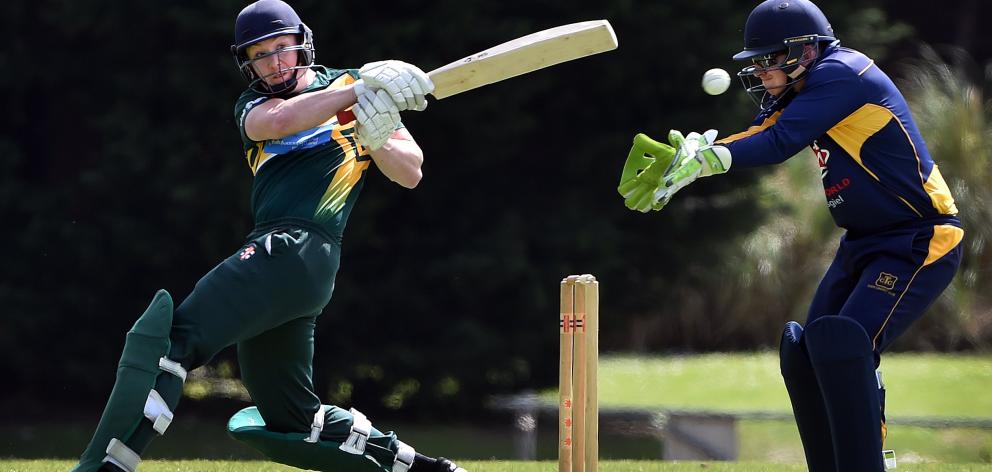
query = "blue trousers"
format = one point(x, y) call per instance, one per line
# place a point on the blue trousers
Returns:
point(886, 281)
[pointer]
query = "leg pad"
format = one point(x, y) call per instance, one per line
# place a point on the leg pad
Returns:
point(807, 401)
point(131, 399)
point(842, 357)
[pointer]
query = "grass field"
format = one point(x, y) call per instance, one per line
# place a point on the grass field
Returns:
point(484, 466)
point(919, 385)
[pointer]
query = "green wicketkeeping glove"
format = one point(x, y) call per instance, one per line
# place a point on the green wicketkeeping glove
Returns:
point(643, 172)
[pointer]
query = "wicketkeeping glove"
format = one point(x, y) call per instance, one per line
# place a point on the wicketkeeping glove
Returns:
point(641, 179)
point(696, 157)
point(377, 118)
point(406, 84)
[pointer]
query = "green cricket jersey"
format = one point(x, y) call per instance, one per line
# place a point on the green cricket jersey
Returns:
point(315, 174)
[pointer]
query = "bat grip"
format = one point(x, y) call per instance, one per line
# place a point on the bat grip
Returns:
point(345, 117)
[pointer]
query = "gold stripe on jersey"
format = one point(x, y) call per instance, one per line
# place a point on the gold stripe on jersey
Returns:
point(934, 186)
point(852, 132)
point(945, 238)
point(940, 193)
point(353, 164)
point(752, 130)
point(256, 156)
point(347, 175)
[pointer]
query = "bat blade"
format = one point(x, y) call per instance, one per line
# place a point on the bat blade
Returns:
point(522, 55)
point(519, 56)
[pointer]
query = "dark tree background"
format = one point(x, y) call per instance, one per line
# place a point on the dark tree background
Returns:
point(121, 173)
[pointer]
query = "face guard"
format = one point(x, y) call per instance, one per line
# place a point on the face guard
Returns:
point(800, 53)
point(305, 59)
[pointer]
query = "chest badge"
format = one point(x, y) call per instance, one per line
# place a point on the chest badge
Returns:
point(246, 253)
point(822, 156)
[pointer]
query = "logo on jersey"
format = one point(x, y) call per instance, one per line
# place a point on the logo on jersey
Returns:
point(822, 156)
point(835, 202)
point(836, 188)
point(247, 252)
point(305, 139)
point(885, 282)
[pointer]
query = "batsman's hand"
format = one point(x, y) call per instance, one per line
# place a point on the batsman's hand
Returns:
point(405, 83)
point(696, 157)
point(643, 172)
point(377, 118)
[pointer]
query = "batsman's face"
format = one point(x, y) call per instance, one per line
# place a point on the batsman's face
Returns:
point(771, 76)
point(273, 58)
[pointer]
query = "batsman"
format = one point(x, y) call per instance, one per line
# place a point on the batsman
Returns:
point(267, 296)
point(902, 244)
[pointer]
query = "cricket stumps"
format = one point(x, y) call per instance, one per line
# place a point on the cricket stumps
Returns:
point(578, 405)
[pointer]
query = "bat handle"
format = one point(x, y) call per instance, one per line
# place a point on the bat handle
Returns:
point(345, 117)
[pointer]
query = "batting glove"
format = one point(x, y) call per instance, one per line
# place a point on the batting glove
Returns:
point(406, 84)
point(377, 118)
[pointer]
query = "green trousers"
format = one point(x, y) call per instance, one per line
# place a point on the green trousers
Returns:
point(265, 299)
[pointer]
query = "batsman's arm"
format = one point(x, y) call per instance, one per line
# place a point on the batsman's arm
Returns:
point(277, 118)
point(400, 159)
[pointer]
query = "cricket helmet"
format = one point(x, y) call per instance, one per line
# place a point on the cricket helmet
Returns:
point(793, 27)
point(263, 20)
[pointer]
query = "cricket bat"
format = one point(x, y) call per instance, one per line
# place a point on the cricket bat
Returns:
point(519, 56)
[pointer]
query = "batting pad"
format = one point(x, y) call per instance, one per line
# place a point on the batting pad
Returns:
point(807, 401)
point(842, 357)
point(146, 344)
point(296, 450)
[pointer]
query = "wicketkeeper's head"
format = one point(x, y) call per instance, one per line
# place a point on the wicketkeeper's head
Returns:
point(782, 35)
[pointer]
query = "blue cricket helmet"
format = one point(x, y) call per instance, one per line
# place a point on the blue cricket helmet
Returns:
point(265, 19)
point(772, 22)
point(795, 28)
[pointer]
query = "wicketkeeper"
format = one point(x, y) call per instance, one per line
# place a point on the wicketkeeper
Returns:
point(266, 297)
point(903, 241)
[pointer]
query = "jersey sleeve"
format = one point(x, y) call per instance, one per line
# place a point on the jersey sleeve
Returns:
point(245, 103)
point(831, 93)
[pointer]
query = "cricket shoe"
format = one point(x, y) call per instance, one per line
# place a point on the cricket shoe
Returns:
point(445, 465)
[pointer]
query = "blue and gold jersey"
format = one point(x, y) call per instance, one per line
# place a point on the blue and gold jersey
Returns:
point(875, 167)
point(315, 174)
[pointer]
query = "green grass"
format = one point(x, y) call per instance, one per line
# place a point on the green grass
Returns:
point(930, 385)
point(482, 466)
point(917, 384)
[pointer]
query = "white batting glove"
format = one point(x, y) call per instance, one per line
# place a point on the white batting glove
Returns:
point(406, 84)
point(377, 118)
